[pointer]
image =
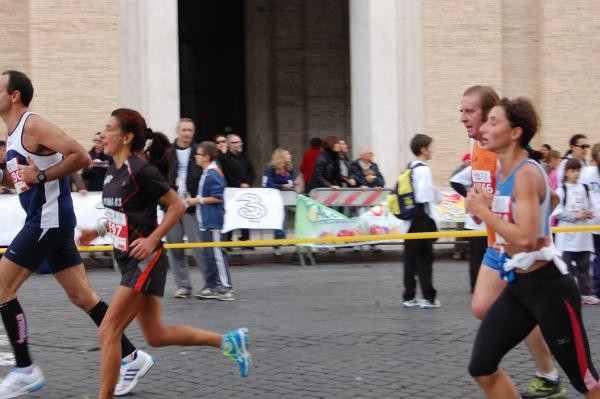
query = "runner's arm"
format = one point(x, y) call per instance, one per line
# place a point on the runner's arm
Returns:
point(175, 208)
point(51, 137)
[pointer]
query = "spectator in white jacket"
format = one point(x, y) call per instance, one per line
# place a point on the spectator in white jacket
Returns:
point(575, 209)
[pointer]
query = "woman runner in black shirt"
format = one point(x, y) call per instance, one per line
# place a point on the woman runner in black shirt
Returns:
point(132, 190)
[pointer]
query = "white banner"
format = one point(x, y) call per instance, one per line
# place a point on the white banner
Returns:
point(88, 209)
point(253, 208)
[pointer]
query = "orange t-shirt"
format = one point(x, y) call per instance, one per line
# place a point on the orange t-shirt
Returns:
point(483, 174)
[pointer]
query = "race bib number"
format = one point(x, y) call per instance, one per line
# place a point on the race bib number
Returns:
point(117, 227)
point(12, 167)
point(501, 206)
point(484, 180)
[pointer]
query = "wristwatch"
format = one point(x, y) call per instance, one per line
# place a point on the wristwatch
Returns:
point(41, 177)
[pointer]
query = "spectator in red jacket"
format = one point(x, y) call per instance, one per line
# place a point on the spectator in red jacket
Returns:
point(309, 159)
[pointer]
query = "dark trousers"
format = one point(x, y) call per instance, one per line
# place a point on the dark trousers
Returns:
point(596, 264)
point(477, 247)
point(418, 262)
point(244, 235)
point(581, 270)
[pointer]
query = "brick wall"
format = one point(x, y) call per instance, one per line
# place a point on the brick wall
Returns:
point(69, 50)
point(545, 50)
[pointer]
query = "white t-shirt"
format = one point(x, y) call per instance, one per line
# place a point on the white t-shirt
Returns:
point(183, 159)
point(424, 189)
point(577, 200)
point(590, 176)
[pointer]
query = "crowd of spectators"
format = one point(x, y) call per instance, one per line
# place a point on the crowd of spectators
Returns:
point(326, 164)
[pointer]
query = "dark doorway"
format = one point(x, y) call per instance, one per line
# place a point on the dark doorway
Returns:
point(211, 65)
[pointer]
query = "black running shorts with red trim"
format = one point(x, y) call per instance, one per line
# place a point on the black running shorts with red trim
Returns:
point(547, 298)
point(147, 276)
point(33, 245)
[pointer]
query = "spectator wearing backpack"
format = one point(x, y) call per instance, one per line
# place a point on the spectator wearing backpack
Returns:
point(575, 209)
point(418, 254)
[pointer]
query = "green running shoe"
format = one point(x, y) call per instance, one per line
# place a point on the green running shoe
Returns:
point(542, 388)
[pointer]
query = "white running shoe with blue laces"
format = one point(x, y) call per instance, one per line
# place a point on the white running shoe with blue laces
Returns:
point(132, 371)
point(18, 382)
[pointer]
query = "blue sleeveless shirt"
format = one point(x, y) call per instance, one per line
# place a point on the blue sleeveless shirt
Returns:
point(503, 204)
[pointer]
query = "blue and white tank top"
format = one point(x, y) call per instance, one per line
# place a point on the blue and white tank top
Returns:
point(49, 204)
point(503, 203)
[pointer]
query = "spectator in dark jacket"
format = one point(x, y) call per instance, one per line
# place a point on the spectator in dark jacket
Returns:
point(238, 170)
point(93, 175)
point(344, 164)
point(327, 168)
point(309, 160)
point(366, 172)
point(236, 165)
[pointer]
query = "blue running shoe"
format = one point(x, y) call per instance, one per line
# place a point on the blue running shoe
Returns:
point(235, 346)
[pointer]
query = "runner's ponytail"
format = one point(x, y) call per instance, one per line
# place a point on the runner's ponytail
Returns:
point(157, 149)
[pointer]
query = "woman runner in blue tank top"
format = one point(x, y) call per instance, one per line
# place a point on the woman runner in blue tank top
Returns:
point(540, 292)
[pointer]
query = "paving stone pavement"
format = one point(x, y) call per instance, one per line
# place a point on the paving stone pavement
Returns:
point(327, 331)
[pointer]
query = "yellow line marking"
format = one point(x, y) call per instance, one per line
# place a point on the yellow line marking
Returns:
point(337, 240)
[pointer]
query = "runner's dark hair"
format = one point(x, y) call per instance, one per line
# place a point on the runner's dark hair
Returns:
point(521, 113)
point(18, 81)
point(158, 152)
point(132, 122)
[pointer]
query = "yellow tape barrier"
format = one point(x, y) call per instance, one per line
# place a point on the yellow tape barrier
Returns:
point(338, 240)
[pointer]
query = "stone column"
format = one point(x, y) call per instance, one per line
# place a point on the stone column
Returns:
point(387, 79)
point(149, 61)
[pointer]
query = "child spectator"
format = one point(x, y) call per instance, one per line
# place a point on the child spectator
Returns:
point(418, 254)
point(575, 209)
point(210, 214)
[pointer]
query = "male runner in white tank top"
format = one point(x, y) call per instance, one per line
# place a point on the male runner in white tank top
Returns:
point(40, 157)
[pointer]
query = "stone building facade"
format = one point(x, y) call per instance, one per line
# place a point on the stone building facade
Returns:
point(372, 71)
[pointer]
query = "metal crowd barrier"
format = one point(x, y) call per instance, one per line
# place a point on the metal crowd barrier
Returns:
point(355, 197)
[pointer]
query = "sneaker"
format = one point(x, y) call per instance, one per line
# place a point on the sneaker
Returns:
point(425, 304)
point(542, 388)
point(207, 293)
point(226, 295)
point(235, 346)
point(18, 382)
point(182, 293)
point(132, 371)
point(411, 303)
point(590, 300)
